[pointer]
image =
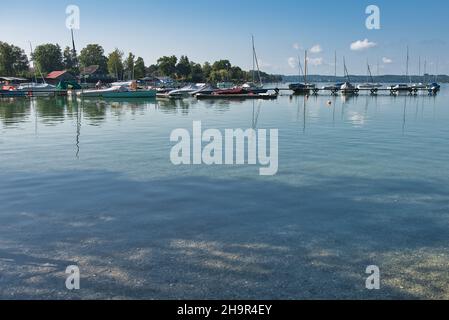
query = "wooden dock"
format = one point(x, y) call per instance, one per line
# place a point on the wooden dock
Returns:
point(372, 91)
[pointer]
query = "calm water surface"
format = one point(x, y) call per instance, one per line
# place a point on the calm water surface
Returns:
point(361, 182)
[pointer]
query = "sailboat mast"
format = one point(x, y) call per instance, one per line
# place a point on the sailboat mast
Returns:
point(406, 72)
point(254, 59)
point(370, 74)
point(419, 67)
point(335, 65)
point(346, 70)
point(436, 70)
point(425, 70)
point(305, 67)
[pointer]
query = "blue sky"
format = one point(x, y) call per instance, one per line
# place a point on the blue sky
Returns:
point(208, 30)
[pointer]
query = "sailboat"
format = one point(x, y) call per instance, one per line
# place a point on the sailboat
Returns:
point(302, 88)
point(334, 87)
point(370, 84)
point(403, 87)
point(347, 88)
point(434, 86)
point(253, 87)
point(416, 86)
point(38, 89)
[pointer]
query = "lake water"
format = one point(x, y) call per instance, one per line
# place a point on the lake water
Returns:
point(361, 181)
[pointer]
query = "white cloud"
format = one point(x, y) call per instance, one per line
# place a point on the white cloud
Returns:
point(362, 45)
point(292, 62)
point(315, 61)
point(316, 49)
point(387, 60)
point(296, 46)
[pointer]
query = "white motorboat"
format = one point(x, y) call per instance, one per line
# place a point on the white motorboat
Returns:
point(187, 90)
point(400, 87)
point(100, 92)
point(38, 89)
point(368, 86)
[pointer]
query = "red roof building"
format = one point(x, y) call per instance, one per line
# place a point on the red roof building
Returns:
point(55, 77)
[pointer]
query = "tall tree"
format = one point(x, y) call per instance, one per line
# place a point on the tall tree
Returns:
point(93, 54)
point(69, 60)
point(152, 70)
point(167, 65)
point(115, 63)
point(183, 68)
point(48, 57)
point(129, 65)
point(139, 68)
point(221, 65)
point(13, 60)
point(207, 69)
point(196, 72)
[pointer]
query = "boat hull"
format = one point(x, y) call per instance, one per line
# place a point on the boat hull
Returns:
point(130, 94)
point(9, 93)
point(237, 96)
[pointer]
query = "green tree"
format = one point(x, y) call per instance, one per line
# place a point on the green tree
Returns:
point(152, 70)
point(129, 66)
point(207, 69)
point(48, 57)
point(13, 60)
point(115, 63)
point(167, 65)
point(93, 54)
point(196, 72)
point(183, 68)
point(221, 65)
point(139, 68)
point(69, 60)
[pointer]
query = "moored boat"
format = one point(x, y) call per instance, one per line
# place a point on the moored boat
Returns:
point(40, 89)
point(348, 88)
point(238, 96)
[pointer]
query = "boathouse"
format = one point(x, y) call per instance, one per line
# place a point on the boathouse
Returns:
point(56, 77)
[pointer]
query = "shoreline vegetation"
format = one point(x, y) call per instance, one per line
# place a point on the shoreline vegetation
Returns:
point(116, 66)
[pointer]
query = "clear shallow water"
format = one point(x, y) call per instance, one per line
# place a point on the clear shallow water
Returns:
point(362, 181)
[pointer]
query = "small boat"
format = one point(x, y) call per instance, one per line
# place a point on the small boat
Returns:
point(117, 92)
point(235, 90)
point(237, 96)
point(418, 86)
point(369, 85)
point(130, 94)
point(207, 89)
point(254, 88)
point(348, 88)
point(435, 86)
point(400, 87)
point(12, 93)
point(333, 87)
point(40, 89)
point(187, 90)
point(302, 88)
point(98, 93)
